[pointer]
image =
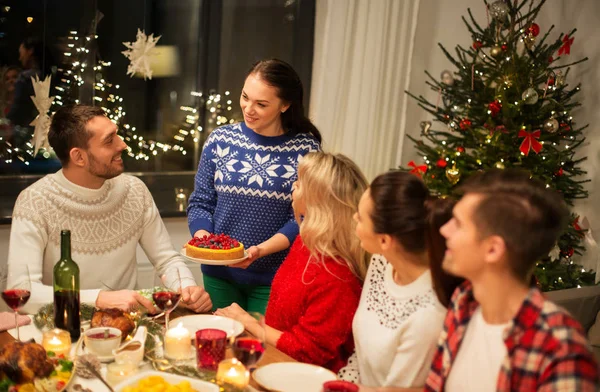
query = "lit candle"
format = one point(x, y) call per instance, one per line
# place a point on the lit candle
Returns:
point(117, 372)
point(57, 341)
point(232, 372)
point(178, 343)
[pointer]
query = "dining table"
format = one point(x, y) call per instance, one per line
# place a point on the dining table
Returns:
point(271, 354)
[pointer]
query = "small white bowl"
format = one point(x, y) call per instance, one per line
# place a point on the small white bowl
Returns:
point(100, 345)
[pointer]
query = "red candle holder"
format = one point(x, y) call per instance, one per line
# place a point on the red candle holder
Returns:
point(210, 348)
point(339, 386)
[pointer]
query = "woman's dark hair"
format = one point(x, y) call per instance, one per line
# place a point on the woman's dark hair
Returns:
point(404, 209)
point(283, 77)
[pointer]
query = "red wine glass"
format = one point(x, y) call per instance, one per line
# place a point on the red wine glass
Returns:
point(248, 348)
point(17, 292)
point(167, 299)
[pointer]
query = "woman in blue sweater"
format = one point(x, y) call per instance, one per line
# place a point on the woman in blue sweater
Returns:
point(244, 183)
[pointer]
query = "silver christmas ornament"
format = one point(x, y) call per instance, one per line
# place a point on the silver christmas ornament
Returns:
point(551, 125)
point(447, 77)
point(499, 10)
point(530, 96)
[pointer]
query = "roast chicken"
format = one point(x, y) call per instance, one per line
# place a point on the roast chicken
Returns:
point(115, 318)
point(21, 362)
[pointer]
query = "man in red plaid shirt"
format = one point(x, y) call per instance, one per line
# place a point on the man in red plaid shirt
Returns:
point(500, 334)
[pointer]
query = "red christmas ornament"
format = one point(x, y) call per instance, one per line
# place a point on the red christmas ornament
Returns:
point(495, 108)
point(441, 163)
point(566, 46)
point(560, 172)
point(565, 127)
point(550, 59)
point(417, 170)
point(465, 124)
point(568, 253)
point(534, 29)
point(504, 47)
point(477, 44)
point(550, 81)
point(530, 142)
point(460, 149)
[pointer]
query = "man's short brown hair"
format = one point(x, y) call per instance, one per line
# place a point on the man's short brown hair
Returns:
point(68, 129)
point(526, 214)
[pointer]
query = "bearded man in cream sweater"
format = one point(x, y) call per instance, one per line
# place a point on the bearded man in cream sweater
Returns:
point(108, 214)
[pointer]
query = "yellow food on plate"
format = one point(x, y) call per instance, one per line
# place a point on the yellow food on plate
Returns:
point(158, 384)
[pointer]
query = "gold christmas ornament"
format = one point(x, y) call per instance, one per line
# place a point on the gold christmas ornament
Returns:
point(425, 125)
point(453, 174)
point(499, 165)
point(559, 80)
point(496, 51)
point(529, 40)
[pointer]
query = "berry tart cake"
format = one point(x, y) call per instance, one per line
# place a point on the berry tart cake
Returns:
point(215, 247)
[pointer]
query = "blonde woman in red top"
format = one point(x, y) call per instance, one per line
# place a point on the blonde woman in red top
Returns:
point(316, 291)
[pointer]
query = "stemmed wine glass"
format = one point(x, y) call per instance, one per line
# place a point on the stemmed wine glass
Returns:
point(248, 348)
point(17, 291)
point(167, 298)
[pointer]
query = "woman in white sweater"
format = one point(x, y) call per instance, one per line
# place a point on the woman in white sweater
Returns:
point(404, 298)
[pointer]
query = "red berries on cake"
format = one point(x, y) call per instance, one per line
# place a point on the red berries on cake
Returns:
point(215, 247)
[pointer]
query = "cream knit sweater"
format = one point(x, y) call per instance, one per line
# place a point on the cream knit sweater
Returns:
point(106, 225)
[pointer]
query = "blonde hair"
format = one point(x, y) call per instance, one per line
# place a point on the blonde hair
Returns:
point(331, 186)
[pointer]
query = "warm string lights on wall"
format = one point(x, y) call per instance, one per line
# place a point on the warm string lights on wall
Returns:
point(71, 78)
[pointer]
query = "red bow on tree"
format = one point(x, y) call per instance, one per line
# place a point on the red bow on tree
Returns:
point(417, 170)
point(530, 141)
point(566, 46)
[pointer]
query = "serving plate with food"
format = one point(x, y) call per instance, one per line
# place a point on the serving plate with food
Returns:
point(27, 367)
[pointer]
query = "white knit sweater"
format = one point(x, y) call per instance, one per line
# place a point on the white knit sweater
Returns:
point(106, 225)
point(395, 328)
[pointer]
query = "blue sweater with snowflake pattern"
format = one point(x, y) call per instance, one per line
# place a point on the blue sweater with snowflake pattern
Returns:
point(243, 188)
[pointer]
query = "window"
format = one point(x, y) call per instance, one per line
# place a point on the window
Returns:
point(202, 56)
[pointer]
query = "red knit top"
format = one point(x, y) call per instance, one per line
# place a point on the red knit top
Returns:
point(314, 312)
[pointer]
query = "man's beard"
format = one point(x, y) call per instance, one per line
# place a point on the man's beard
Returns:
point(102, 170)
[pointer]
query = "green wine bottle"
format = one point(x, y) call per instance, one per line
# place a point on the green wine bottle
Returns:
point(66, 289)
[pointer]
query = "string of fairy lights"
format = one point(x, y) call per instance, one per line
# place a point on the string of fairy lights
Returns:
point(70, 79)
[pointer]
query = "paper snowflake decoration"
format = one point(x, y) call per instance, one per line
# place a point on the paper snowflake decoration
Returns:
point(42, 101)
point(139, 52)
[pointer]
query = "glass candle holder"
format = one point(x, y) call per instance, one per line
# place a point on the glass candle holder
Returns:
point(233, 373)
point(117, 372)
point(178, 343)
point(210, 348)
point(58, 341)
point(181, 195)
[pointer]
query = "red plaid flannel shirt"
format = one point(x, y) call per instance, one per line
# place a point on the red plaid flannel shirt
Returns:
point(547, 348)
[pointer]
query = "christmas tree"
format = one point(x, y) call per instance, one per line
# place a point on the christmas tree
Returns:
point(508, 104)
